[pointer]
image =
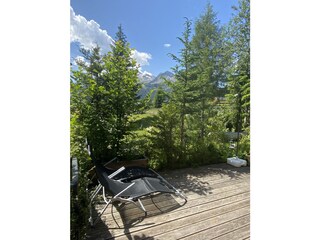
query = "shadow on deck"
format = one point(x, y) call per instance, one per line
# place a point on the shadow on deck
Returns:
point(128, 216)
point(191, 180)
point(199, 181)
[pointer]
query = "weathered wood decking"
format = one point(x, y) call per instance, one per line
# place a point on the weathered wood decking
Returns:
point(218, 208)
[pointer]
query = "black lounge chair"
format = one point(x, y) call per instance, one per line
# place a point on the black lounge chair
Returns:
point(129, 173)
point(131, 191)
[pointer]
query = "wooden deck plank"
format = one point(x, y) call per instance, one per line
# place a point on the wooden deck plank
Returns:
point(219, 196)
point(172, 221)
point(199, 177)
point(193, 204)
point(231, 190)
point(219, 230)
point(237, 234)
point(229, 186)
point(184, 227)
point(212, 200)
point(218, 206)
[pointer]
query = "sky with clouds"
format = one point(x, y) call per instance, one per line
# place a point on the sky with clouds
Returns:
point(151, 27)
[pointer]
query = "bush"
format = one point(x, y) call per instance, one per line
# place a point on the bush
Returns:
point(134, 145)
point(244, 145)
point(164, 152)
point(79, 212)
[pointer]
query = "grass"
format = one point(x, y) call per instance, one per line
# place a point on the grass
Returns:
point(144, 120)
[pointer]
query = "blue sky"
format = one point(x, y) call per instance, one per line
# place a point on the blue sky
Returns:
point(151, 26)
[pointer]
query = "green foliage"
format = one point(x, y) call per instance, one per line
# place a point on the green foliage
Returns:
point(165, 145)
point(122, 72)
point(160, 97)
point(190, 129)
point(90, 102)
point(183, 93)
point(79, 200)
point(238, 45)
point(188, 124)
point(79, 212)
point(207, 46)
point(143, 120)
point(103, 97)
point(244, 145)
point(163, 138)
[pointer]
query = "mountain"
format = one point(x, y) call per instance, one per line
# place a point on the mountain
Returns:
point(159, 79)
point(155, 82)
point(145, 77)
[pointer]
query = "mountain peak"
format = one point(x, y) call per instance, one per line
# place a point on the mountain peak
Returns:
point(145, 76)
point(166, 73)
point(159, 79)
point(155, 82)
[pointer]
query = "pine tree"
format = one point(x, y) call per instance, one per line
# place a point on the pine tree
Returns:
point(207, 46)
point(239, 72)
point(120, 36)
point(160, 97)
point(183, 89)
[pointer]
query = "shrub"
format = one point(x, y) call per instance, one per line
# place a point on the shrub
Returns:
point(244, 145)
point(79, 212)
point(163, 139)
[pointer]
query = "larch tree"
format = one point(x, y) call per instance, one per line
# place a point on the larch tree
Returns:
point(207, 47)
point(183, 89)
point(239, 72)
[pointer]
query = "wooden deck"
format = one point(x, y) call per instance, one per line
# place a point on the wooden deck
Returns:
point(218, 208)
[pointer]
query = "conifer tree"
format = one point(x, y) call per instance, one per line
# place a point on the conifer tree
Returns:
point(160, 97)
point(122, 71)
point(183, 89)
point(239, 72)
point(207, 47)
point(90, 102)
point(104, 92)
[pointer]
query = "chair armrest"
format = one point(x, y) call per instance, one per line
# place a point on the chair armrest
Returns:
point(116, 172)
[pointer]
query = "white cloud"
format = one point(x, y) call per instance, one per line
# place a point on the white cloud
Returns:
point(142, 58)
point(79, 59)
point(145, 73)
point(145, 76)
point(167, 45)
point(89, 34)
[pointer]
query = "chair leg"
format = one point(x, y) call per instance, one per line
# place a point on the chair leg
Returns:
point(96, 191)
point(93, 195)
point(100, 214)
point(142, 207)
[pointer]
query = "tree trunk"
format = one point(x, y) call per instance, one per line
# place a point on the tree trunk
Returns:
point(202, 119)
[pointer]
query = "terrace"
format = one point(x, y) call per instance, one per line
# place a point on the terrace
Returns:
point(218, 208)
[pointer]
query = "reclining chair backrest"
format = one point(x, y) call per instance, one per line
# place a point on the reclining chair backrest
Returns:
point(113, 187)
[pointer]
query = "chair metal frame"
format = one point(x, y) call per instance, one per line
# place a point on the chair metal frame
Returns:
point(111, 200)
point(117, 197)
